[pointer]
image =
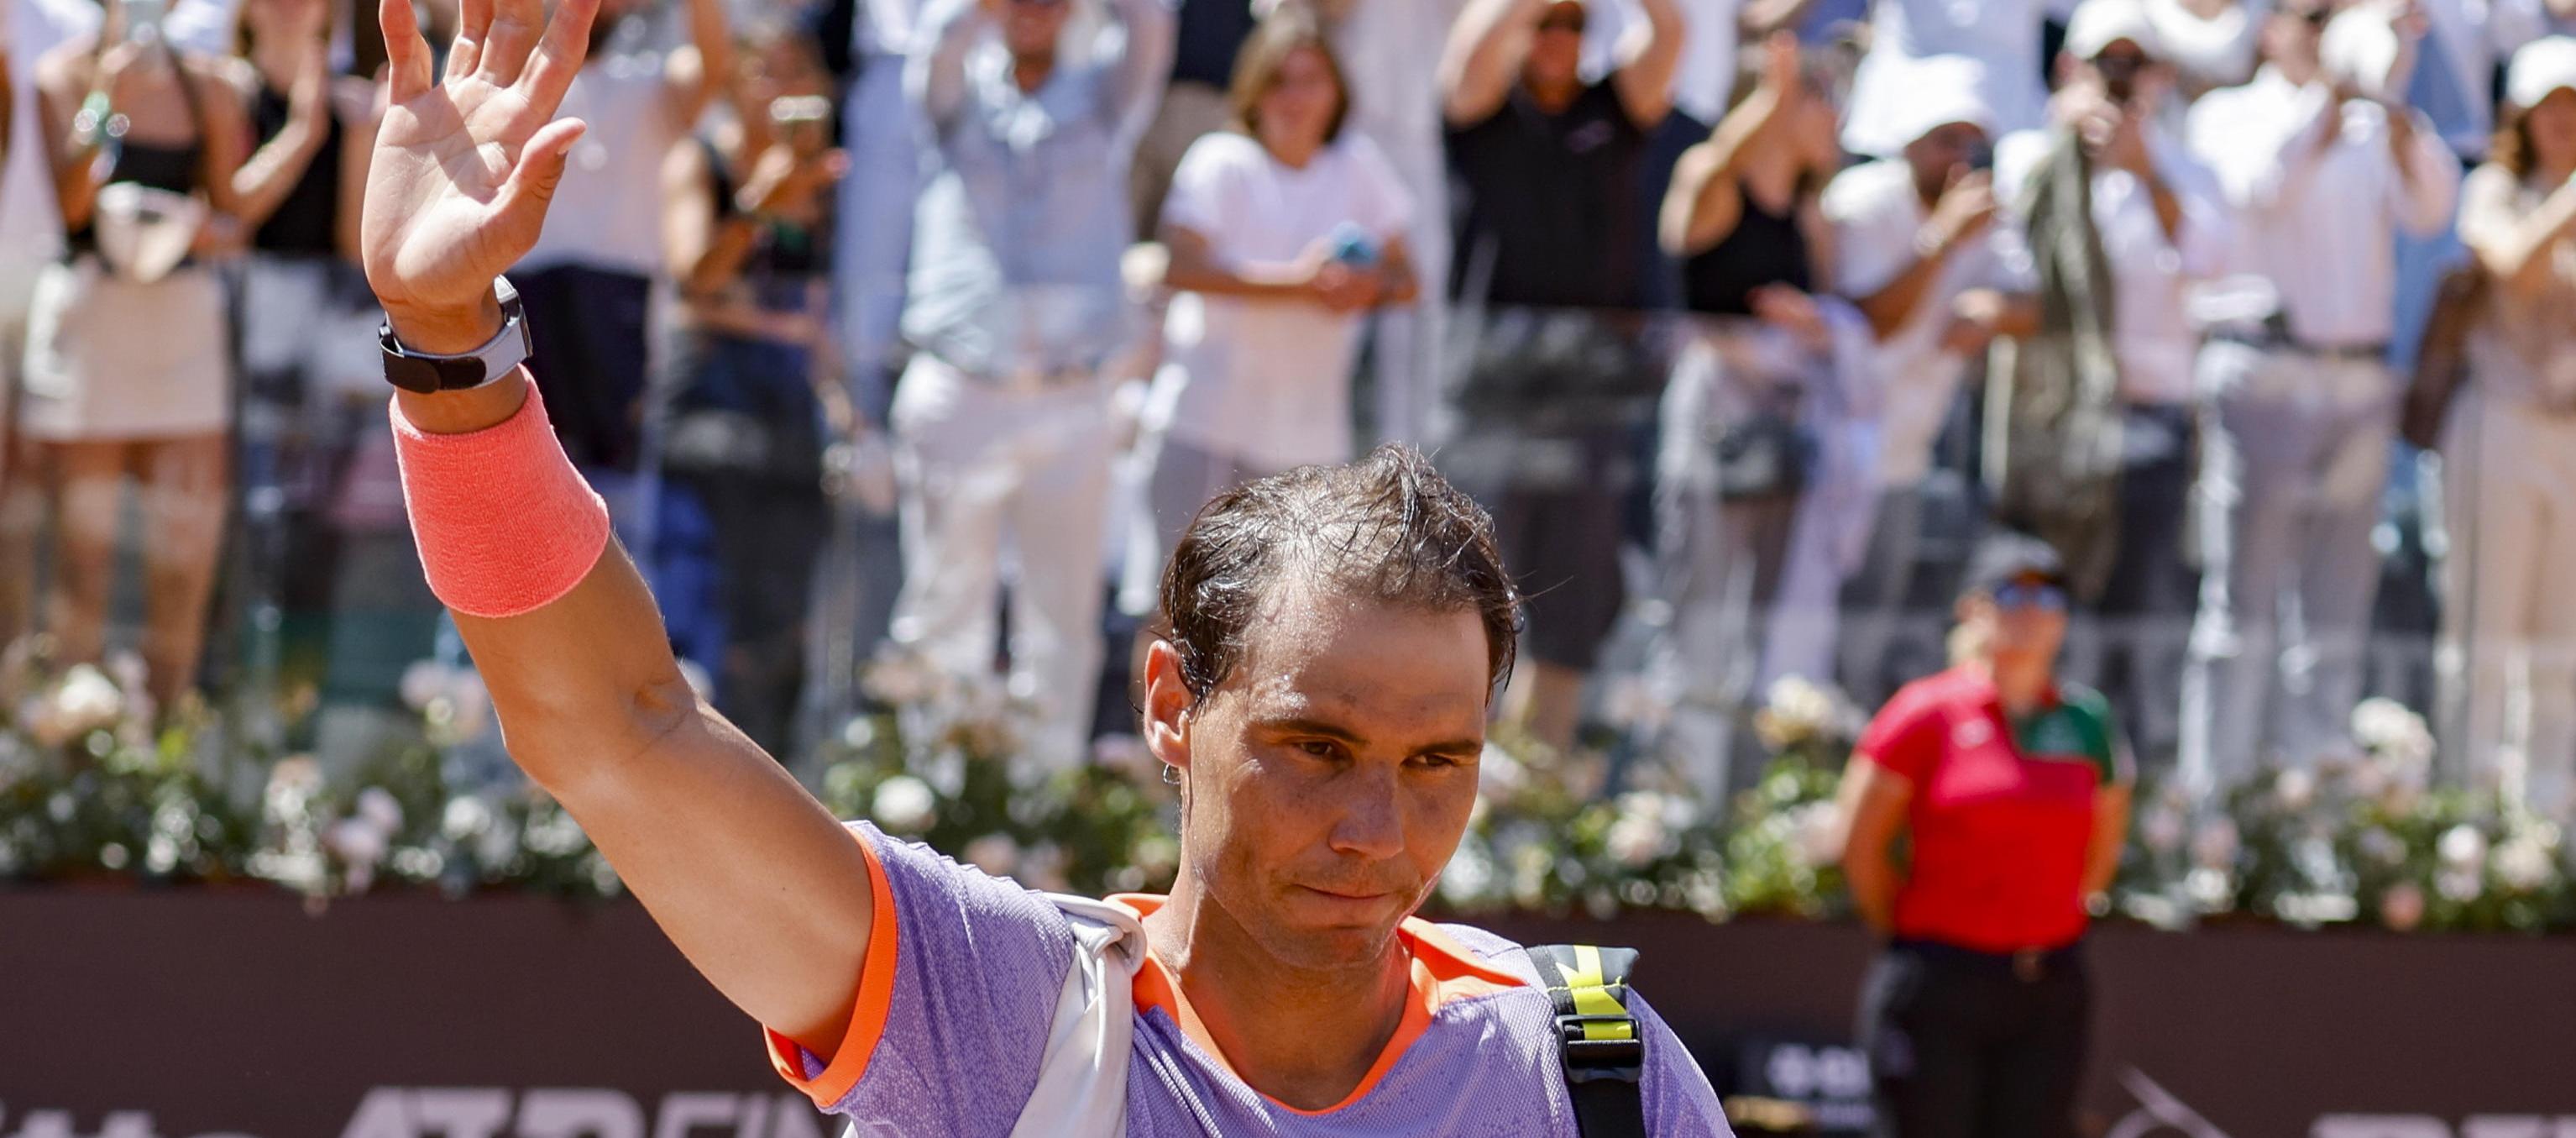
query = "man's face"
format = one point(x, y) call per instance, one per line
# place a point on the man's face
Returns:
point(1556, 51)
point(2296, 27)
point(1031, 27)
point(1943, 152)
point(2121, 70)
point(1331, 775)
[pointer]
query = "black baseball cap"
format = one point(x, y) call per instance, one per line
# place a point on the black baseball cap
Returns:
point(2009, 556)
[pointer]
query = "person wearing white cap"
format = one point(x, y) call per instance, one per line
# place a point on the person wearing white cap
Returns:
point(2159, 222)
point(2509, 451)
point(1916, 249)
point(2302, 402)
point(2004, 35)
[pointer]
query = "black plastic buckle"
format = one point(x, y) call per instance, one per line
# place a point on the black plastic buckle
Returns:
point(1587, 1060)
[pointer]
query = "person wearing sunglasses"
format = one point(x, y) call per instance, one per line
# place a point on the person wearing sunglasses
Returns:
point(2011, 788)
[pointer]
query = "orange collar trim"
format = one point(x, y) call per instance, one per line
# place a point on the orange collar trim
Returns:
point(1443, 972)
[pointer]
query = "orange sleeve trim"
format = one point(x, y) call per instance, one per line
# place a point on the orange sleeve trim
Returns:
point(876, 999)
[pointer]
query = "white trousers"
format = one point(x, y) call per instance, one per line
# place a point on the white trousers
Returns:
point(2509, 617)
point(989, 472)
point(2294, 458)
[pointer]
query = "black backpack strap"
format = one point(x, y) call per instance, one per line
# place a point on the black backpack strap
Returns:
point(1604, 1053)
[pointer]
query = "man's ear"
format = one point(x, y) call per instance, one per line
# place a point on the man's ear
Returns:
point(1167, 706)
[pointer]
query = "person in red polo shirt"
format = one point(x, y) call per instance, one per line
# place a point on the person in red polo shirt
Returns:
point(2012, 788)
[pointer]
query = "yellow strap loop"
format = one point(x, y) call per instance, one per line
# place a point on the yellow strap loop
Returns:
point(1594, 998)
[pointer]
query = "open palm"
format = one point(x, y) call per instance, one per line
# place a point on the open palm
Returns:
point(464, 166)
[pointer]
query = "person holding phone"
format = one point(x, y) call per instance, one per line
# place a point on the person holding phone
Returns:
point(1917, 250)
point(126, 372)
point(1282, 231)
point(747, 227)
point(2109, 185)
point(2011, 789)
point(1741, 417)
point(2325, 179)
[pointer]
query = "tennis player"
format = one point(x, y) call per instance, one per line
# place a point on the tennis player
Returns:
point(1337, 635)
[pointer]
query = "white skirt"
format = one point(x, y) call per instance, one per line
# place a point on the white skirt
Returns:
point(109, 359)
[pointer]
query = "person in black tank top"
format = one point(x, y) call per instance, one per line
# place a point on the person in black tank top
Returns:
point(1739, 425)
point(752, 397)
point(1742, 211)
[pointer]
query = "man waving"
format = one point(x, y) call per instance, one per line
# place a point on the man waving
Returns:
point(1322, 698)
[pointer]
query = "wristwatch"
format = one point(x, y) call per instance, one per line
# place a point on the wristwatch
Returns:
point(426, 374)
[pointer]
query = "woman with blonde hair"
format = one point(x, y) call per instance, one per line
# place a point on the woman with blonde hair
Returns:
point(1282, 231)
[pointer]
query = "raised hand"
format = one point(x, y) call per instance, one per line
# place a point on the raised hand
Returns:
point(465, 164)
point(1964, 210)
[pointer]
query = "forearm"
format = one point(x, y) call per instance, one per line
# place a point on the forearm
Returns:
point(713, 39)
point(1872, 879)
point(698, 822)
point(2110, 836)
point(1145, 64)
point(263, 182)
point(2428, 183)
point(1251, 282)
point(2019, 319)
point(1646, 78)
point(2519, 258)
point(1705, 202)
point(935, 76)
point(1483, 57)
point(1397, 283)
point(72, 157)
point(715, 269)
point(2168, 207)
point(694, 817)
point(1893, 305)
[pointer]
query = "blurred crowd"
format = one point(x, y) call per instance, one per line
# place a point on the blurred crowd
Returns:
point(920, 329)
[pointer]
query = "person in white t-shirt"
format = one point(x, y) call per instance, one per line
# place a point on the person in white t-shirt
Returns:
point(1282, 232)
point(1916, 249)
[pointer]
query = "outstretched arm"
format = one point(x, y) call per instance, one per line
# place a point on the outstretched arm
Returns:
point(1704, 201)
point(1645, 76)
point(1483, 58)
point(754, 881)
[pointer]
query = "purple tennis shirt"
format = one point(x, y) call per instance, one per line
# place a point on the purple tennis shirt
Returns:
point(964, 970)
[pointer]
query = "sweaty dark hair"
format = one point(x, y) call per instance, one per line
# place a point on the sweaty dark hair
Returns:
point(1387, 527)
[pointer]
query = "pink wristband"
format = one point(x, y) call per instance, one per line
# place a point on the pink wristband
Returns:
point(504, 523)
